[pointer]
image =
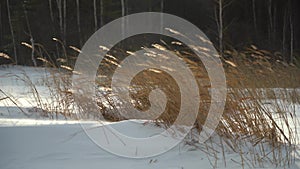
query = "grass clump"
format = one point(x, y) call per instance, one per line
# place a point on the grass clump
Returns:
point(259, 118)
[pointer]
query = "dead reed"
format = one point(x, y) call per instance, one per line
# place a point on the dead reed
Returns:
point(258, 122)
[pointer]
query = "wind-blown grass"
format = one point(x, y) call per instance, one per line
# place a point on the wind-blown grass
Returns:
point(258, 121)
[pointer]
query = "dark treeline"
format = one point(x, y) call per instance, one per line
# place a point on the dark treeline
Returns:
point(269, 24)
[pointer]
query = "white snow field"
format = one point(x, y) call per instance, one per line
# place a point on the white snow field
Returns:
point(33, 141)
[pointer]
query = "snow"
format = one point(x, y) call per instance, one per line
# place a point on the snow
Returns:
point(67, 146)
point(57, 148)
point(33, 141)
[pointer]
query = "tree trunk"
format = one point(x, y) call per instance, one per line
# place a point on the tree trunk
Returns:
point(274, 23)
point(31, 38)
point(161, 16)
point(270, 20)
point(221, 27)
point(60, 17)
point(53, 27)
point(254, 16)
point(101, 13)
point(32, 52)
point(12, 31)
point(123, 21)
point(78, 22)
point(51, 11)
point(65, 22)
point(95, 15)
point(126, 13)
point(292, 36)
point(284, 35)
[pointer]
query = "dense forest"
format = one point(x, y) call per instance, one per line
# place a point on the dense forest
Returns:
point(48, 25)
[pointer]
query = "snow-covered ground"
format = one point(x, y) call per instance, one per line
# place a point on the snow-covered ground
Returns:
point(67, 146)
point(32, 141)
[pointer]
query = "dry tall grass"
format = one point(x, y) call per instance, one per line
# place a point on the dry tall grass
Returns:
point(257, 119)
point(260, 84)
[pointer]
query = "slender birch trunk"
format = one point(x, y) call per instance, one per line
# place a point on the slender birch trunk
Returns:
point(65, 22)
point(254, 16)
point(270, 20)
point(284, 34)
point(161, 16)
point(126, 13)
point(52, 20)
point(60, 17)
point(101, 13)
point(123, 21)
point(31, 38)
point(78, 21)
point(51, 11)
point(12, 31)
point(274, 23)
point(292, 37)
point(221, 27)
point(95, 15)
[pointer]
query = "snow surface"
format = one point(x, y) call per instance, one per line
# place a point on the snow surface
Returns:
point(35, 142)
point(57, 146)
